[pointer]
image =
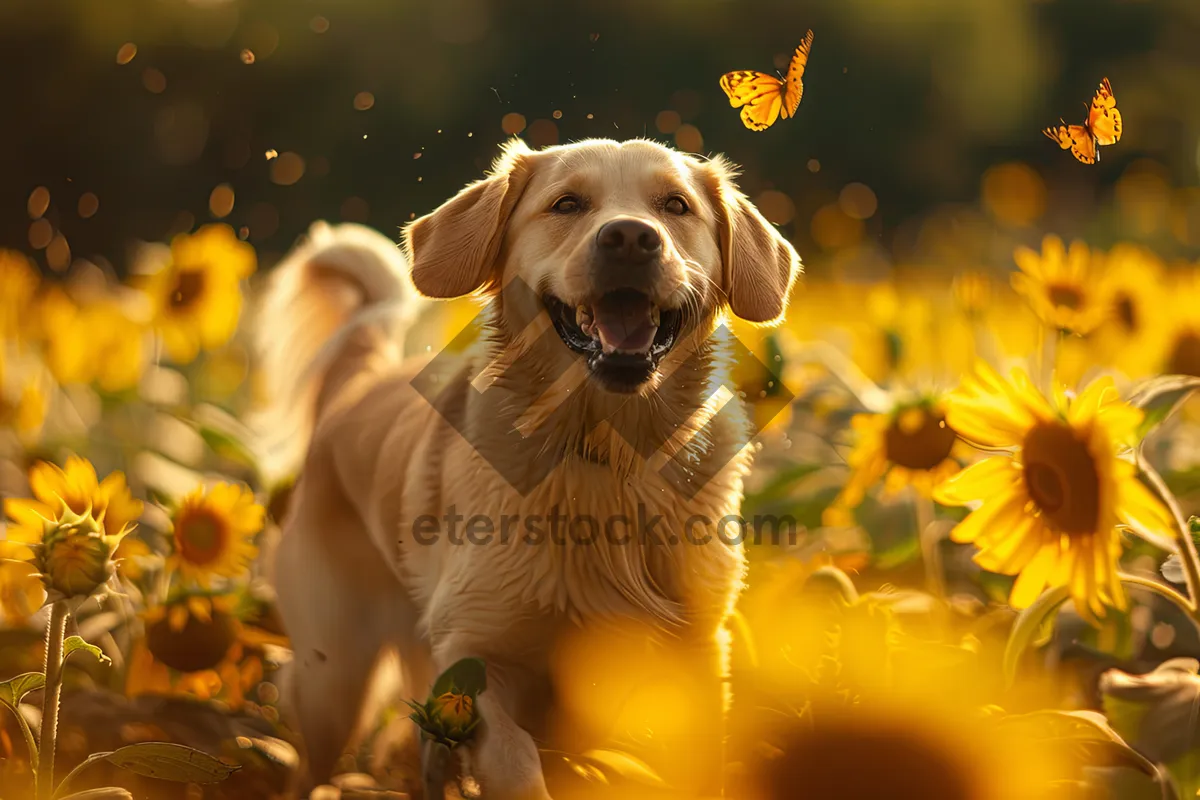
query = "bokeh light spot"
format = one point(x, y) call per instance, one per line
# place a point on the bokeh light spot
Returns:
point(1162, 635)
point(247, 56)
point(542, 133)
point(220, 201)
point(512, 123)
point(272, 154)
point(858, 201)
point(154, 80)
point(126, 53)
point(40, 234)
point(181, 131)
point(776, 206)
point(58, 253)
point(833, 229)
point(39, 201)
point(687, 102)
point(261, 40)
point(89, 204)
point(364, 101)
point(318, 24)
point(1014, 193)
point(287, 169)
point(688, 139)
point(813, 165)
point(667, 121)
point(557, 114)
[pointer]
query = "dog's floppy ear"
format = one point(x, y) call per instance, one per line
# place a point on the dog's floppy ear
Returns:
point(453, 249)
point(758, 264)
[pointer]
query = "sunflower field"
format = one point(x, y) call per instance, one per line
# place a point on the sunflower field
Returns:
point(990, 454)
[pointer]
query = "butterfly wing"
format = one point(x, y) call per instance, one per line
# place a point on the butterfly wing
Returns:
point(1075, 138)
point(760, 96)
point(795, 74)
point(1104, 120)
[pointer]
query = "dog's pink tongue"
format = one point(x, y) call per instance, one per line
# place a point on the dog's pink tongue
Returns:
point(623, 321)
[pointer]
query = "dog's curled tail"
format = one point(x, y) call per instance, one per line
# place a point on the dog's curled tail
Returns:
point(336, 306)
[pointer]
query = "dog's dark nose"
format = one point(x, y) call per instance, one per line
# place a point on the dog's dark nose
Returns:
point(629, 241)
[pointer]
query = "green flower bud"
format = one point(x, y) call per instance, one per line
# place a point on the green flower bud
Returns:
point(75, 556)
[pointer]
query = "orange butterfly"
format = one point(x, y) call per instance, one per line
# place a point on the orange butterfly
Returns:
point(762, 97)
point(1102, 127)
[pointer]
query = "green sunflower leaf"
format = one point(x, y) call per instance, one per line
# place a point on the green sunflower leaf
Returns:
point(171, 762)
point(625, 765)
point(1027, 627)
point(13, 689)
point(75, 643)
point(104, 793)
point(1086, 732)
point(468, 676)
point(1159, 397)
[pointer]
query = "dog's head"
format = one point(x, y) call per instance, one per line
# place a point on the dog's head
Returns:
point(632, 248)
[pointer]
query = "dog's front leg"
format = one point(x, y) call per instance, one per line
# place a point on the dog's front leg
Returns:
point(504, 757)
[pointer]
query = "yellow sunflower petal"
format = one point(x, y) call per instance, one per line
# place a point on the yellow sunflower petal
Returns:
point(1138, 507)
point(1000, 513)
point(1010, 552)
point(48, 483)
point(1035, 576)
point(980, 481)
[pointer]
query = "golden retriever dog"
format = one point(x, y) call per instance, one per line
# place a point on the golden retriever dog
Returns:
point(606, 267)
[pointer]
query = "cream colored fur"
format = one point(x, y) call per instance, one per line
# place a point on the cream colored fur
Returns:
point(351, 578)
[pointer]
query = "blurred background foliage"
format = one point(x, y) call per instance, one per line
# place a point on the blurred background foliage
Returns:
point(917, 139)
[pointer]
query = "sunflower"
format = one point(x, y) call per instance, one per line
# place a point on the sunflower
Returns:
point(911, 445)
point(214, 532)
point(18, 285)
point(22, 592)
point(1132, 292)
point(23, 400)
point(1050, 507)
point(197, 296)
point(196, 646)
point(77, 487)
point(1176, 327)
point(909, 746)
point(1058, 284)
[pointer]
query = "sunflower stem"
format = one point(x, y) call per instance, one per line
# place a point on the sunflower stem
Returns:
point(1158, 588)
point(55, 632)
point(1185, 547)
point(930, 552)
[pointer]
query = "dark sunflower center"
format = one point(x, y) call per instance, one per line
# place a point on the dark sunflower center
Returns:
point(1185, 356)
point(837, 758)
point(1126, 312)
point(201, 537)
point(918, 439)
point(1061, 477)
point(188, 288)
point(198, 645)
point(1065, 296)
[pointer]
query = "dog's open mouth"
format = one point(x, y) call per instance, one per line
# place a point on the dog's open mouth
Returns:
point(623, 335)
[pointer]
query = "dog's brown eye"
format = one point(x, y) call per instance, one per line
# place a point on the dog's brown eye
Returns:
point(567, 204)
point(676, 205)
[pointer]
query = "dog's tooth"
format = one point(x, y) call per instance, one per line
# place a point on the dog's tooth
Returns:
point(654, 315)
